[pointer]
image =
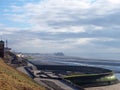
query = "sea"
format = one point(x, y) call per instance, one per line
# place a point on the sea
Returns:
point(51, 59)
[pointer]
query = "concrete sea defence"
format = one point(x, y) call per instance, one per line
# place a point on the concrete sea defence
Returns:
point(52, 81)
point(90, 80)
point(86, 76)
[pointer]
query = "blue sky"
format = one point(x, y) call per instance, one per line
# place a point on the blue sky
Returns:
point(83, 28)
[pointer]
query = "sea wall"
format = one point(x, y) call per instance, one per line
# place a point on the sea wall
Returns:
point(84, 69)
point(89, 80)
point(91, 76)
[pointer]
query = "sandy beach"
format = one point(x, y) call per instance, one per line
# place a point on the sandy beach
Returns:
point(110, 87)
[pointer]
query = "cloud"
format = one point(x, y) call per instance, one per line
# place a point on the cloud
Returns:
point(80, 26)
point(51, 16)
point(5, 30)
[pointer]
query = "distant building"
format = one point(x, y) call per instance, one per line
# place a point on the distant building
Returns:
point(59, 54)
point(1, 49)
point(20, 55)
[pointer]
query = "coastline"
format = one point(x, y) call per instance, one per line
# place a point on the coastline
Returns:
point(112, 87)
point(89, 88)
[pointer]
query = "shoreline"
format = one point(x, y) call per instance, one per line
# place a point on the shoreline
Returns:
point(89, 88)
point(38, 81)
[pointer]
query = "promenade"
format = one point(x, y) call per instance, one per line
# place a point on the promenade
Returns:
point(54, 84)
point(49, 84)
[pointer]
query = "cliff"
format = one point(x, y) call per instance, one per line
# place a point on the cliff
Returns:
point(11, 79)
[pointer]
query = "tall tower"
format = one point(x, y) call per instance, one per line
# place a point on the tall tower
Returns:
point(2, 49)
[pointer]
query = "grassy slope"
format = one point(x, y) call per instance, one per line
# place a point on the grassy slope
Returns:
point(11, 79)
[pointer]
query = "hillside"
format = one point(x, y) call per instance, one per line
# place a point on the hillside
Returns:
point(11, 79)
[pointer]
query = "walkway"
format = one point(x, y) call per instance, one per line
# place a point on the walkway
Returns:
point(55, 84)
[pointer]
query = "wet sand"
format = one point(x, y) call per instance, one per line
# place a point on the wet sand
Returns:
point(110, 87)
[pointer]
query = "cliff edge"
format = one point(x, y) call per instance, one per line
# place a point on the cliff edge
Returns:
point(11, 79)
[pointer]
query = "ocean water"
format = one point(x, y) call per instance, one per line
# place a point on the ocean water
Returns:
point(64, 60)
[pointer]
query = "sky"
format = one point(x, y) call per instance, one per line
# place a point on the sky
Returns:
point(82, 28)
